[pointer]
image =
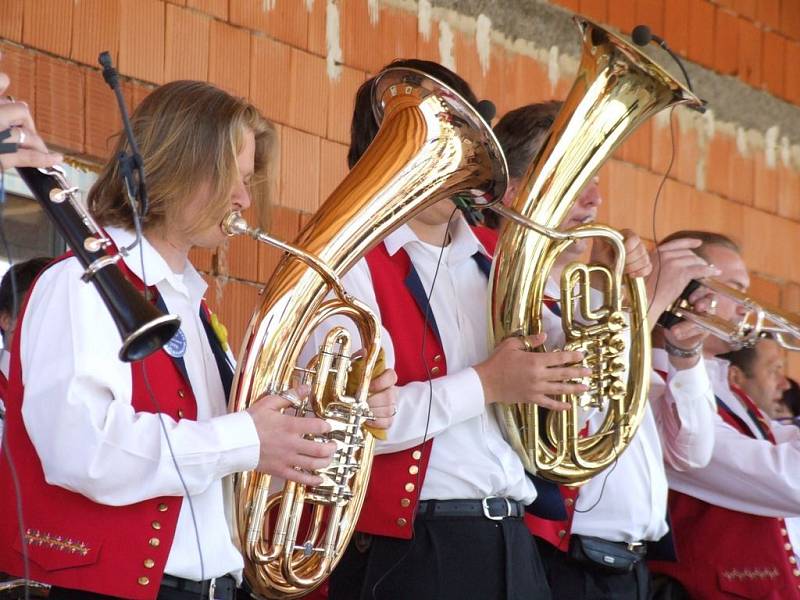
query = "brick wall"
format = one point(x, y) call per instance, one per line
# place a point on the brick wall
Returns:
point(302, 73)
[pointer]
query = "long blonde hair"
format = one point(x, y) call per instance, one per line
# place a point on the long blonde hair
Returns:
point(189, 134)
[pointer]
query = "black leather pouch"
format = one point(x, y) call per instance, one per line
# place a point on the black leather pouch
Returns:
point(610, 556)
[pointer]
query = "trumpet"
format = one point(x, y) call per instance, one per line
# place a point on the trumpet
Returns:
point(754, 320)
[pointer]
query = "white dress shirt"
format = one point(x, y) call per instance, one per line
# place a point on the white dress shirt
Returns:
point(77, 410)
point(470, 458)
point(628, 501)
point(745, 474)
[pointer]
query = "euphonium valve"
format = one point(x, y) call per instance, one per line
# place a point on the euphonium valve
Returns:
point(616, 89)
point(431, 145)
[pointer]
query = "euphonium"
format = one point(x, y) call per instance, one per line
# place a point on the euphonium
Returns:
point(616, 89)
point(431, 145)
point(752, 321)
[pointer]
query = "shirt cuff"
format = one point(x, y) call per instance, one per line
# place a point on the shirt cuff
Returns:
point(466, 388)
point(239, 445)
point(690, 384)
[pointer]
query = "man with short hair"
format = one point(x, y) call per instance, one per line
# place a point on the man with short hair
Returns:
point(728, 517)
point(598, 551)
point(759, 372)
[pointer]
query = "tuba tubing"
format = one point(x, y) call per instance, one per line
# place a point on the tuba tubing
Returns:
point(431, 145)
point(616, 89)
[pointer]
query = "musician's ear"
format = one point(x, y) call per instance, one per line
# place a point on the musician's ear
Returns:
point(736, 376)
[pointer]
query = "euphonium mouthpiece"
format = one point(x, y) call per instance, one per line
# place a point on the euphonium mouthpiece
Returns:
point(233, 224)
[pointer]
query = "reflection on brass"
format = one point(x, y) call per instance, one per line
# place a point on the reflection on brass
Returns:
point(753, 320)
point(616, 89)
point(431, 145)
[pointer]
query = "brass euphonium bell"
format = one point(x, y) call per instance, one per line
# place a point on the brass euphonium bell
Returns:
point(431, 145)
point(616, 89)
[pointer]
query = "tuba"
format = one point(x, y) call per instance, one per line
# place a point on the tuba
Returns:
point(431, 145)
point(616, 89)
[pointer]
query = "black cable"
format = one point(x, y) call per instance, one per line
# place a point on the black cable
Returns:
point(12, 469)
point(428, 310)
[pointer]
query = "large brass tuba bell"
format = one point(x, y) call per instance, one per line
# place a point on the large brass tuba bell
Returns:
point(616, 89)
point(431, 145)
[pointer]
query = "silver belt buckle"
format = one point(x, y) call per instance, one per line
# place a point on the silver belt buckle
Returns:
point(487, 514)
point(212, 587)
point(632, 546)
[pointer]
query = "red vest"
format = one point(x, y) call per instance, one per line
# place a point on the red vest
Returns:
point(729, 554)
point(72, 541)
point(393, 492)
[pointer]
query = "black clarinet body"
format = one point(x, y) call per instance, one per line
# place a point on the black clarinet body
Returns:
point(142, 327)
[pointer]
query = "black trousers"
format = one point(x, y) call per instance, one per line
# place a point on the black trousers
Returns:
point(447, 559)
point(572, 580)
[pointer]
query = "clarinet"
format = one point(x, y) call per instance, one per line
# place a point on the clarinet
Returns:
point(142, 327)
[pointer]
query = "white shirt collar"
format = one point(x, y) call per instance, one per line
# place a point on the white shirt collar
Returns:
point(149, 266)
point(463, 242)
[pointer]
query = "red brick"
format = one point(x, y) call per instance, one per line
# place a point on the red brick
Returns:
point(651, 13)
point(749, 53)
point(95, 28)
point(568, 4)
point(768, 258)
point(287, 22)
point(138, 93)
point(229, 46)
point(772, 70)
point(102, 116)
point(766, 290)
point(186, 50)
point(765, 194)
point(790, 18)
point(308, 92)
point(675, 30)
point(596, 10)
point(769, 13)
point(269, 78)
point(202, 259)
point(299, 170)
point(341, 101)
point(745, 8)
point(687, 155)
point(141, 42)
point(726, 43)
point(701, 32)
point(239, 301)
point(60, 103)
point(468, 65)
point(622, 14)
point(47, 25)
point(526, 82)
point(19, 64)
point(789, 193)
point(718, 163)
point(11, 23)
point(397, 34)
point(630, 197)
point(333, 167)
point(637, 149)
point(792, 73)
point(428, 49)
point(742, 177)
point(284, 225)
point(241, 252)
point(215, 8)
point(790, 297)
point(317, 24)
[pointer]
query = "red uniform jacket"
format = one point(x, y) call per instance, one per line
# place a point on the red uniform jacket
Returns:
point(729, 554)
point(393, 493)
point(72, 541)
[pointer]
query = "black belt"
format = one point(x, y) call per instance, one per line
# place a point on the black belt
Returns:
point(221, 588)
point(495, 508)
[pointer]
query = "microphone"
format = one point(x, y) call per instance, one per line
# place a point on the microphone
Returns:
point(131, 164)
point(487, 110)
point(642, 36)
